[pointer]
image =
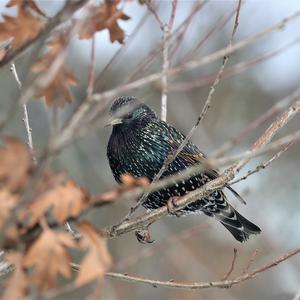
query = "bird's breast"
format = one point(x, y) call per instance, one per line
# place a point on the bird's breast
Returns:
point(137, 153)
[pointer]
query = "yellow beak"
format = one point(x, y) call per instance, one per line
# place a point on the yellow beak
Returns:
point(113, 121)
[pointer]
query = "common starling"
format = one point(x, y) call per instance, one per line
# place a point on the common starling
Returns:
point(140, 143)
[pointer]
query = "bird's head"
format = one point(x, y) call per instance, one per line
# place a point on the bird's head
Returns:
point(128, 111)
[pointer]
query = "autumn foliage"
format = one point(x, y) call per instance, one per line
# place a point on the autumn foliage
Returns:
point(35, 202)
point(48, 244)
point(33, 214)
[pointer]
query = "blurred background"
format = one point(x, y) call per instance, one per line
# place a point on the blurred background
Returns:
point(194, 248)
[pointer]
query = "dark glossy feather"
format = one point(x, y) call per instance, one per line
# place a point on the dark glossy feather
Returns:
point(140, 145)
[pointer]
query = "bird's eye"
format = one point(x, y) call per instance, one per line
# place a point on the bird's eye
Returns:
point(129, 116)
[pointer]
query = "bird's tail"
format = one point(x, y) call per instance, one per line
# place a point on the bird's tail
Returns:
point(239, 226)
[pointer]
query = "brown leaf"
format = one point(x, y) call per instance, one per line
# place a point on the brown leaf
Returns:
point(25, 26)
point(7, 202)
point(57, 92)
point(28, 4)
point(128, 182)
point(65, 200)
point(2, 53)
point(15, 164)
point(105, 16)
point(49, 257)
point(97, 260)
point(17, 283)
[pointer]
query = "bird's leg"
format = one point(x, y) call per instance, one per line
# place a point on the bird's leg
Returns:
point(171, 206)
point(143, 235)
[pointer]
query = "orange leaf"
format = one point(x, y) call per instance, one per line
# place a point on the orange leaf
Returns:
point(15, 164)
point(2, 53)
point(22, 28)
point(57, 92)
point(17, 283)
point(29, 3)
point(97, 260)
point(66, 200)
point(105, 16)
point(49, 257)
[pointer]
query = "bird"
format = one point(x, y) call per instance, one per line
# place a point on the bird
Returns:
point(139, 145)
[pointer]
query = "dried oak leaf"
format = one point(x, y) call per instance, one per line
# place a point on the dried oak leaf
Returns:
point(49, 256)
point(25, 26)
point(15, 164)
point(57, 92)
point(105, 16)
point(65, 200)
point(28, 3)
point(97, 260)
point(2, 53)
point(17, 283)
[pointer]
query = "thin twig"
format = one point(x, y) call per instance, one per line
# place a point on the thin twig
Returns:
point(91, 75)
point(217, 26)
point(166, 28)
point(263, 165)
point(198, 285)
point(272, 130)
point(25, 115)
point(101, 77)
point(279, 106)
point(146, 62)
point(167, 243)
point(231, 71)
point(226, 276)
point(250, 262)
point(184, 27)
point(71, 131)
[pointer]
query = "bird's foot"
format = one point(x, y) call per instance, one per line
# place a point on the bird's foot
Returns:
point(143, 235)
point(171, 206)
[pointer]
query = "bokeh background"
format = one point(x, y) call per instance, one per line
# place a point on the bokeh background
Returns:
point(193, 248)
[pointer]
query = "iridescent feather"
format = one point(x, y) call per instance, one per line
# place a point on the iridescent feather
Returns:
point(139, 145)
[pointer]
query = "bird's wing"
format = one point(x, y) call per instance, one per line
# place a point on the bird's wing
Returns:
point(190, 152)
point(193, 155)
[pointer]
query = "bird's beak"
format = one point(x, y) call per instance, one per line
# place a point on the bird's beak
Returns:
point(113, 121)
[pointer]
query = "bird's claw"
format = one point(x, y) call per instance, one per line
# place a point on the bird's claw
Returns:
point(171, 206)
point(143, 236)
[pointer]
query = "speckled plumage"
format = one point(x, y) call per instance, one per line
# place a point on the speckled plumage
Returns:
point(139, 145)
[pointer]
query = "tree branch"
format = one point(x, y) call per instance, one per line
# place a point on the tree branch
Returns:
point(103, 99)
point(25, 115)
point(198, 285)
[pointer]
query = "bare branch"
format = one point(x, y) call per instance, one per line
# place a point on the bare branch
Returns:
point(71, 129)
point(91, 75)
point(231, 71)
point(199, 285)
point(272, 130)
point(25, 115)
point(276, 108)
point(226, 276)
point(263, 165)
point(251, 260)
